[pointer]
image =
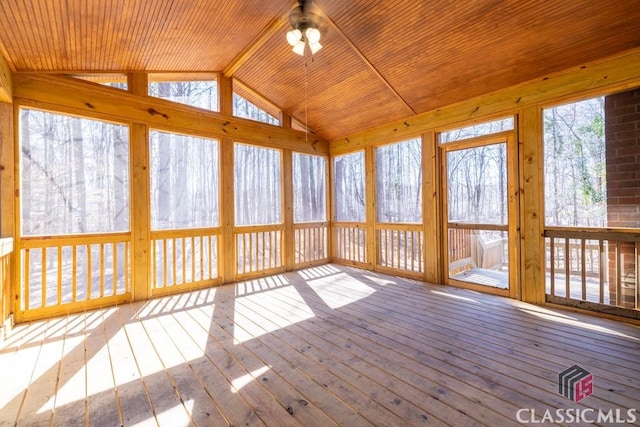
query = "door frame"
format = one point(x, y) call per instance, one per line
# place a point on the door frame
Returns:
point(513, 212)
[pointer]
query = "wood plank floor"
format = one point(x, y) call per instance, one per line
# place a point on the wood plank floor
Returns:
point(324, 346)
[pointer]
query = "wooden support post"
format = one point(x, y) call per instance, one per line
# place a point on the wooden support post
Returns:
point(431, 216)
point(140, 198)
point(6, 84)
point(285, 120)
point(7, 215)
point(532, 208)
point(225, 99)
point(287, 191)
point(514, 218)
point(227, 253)
point(370, 200)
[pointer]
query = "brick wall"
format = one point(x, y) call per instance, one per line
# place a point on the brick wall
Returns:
point(622, 135)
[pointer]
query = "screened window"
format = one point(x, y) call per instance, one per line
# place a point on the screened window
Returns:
point(399, 182)
point(245, 109)
point(349, 189)
point(477, 185)
point(258, 185)
point(575, 164)
point(74, 174)
point(201, 94)
point(309, 188)
point(184, 181)
point(481, 129)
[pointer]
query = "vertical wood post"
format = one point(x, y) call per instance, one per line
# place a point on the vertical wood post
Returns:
point(140, 197)
point(370, 200)
point(227, 254)
point(225, 98)
point(532, 208)
point(8, 220)
point(287, 187)
point(431, 216)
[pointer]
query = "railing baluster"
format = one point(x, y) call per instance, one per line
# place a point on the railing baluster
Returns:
point(43, 279)
point(89, 273)
point(59, 278)
point(583, 265)
point(192, 243)
point(27, 271)
point(165, 262)
point(637, 281)
point(154, 264)
point(183, 250)
point(552, 261)
point(74, 273)
point(101, 263)
point(603, 267)
point(567, 267)
point(127, 269)
point(174, 265)
point(114, 254)
point(619, 266)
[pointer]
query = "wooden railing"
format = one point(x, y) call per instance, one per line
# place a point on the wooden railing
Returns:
point(310, 243)
point(259, 249)
point(400, 247)
point(595, 266)
point(459, 248)
point(6, 249)
point(350, 241)
point(484, 246)
point(79, 271)
point(183, 259)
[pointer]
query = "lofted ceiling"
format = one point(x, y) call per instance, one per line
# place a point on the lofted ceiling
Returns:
point(383, 60)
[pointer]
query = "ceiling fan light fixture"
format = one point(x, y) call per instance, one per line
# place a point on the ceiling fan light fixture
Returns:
point(294, 36)
point(312, 35)
point(305, 22)
point(315, 47)
point(299, 48)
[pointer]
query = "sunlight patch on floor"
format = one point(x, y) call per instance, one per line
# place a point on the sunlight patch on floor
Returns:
point(174, 416)
point(255, 315)
point(73, 389)
point(578, 324)
point(450, 295)
point(340, 290)
point(238, 383)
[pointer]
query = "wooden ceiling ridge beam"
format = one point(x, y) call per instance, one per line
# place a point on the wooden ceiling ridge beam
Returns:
point(368, 63)
point(617, 73)
point(274, 26)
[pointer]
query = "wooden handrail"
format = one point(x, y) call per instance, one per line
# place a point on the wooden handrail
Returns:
point(30, 242)
point(258, 228)
point(619, 234)
point(185, 232)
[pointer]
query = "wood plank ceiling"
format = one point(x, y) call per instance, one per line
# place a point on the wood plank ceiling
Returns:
point(382, 60)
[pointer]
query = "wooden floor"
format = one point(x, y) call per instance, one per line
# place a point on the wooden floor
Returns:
point(319, 347)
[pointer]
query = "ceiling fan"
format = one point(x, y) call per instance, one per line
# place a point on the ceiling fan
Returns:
point(305, 22)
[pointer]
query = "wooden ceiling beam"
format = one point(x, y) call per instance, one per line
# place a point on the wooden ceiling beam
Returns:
point(274, 26)
point(84, 98)
point(368, 63)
